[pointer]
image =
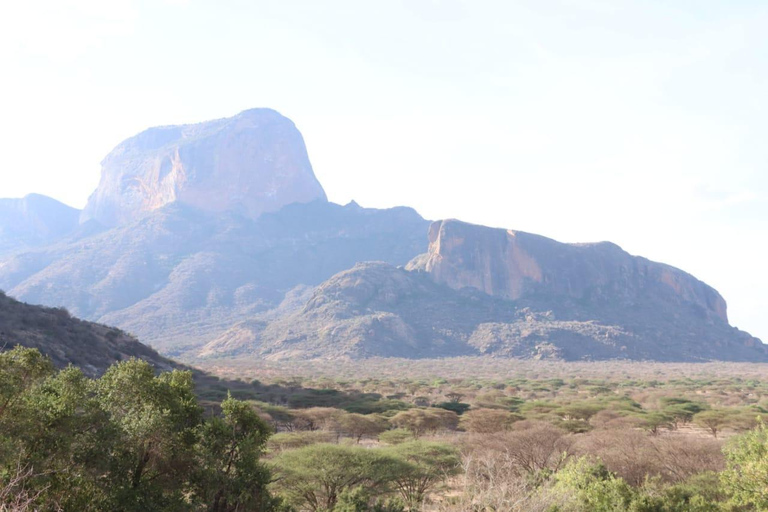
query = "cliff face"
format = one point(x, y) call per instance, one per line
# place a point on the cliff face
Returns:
point(516, 265)
point(252, 163)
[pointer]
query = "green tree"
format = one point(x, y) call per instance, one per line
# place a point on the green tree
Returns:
point(20, 369)
point(129, 441)
point(655, 421)
point(359, 500)
point(358, 426)
point(66, 439)
point(396, 436)
point(713, 420)
point(230, 475)
point(583, 485)
point(428, 465)
point(315, 476)
point(421, 421)
point(746, 474)
point(155, 420)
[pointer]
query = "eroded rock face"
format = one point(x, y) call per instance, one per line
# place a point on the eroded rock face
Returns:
point(252, 163)
point(514, 265)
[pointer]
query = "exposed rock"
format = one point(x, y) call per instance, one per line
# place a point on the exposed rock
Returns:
point(33, 221)
point(377, 310)
point(252, 163)
point(514, 265)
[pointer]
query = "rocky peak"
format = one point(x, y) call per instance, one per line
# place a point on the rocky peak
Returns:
point(252, 163)
point(514, 265)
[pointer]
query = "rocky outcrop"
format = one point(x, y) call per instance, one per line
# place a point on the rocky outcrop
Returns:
point(252, 163)
point(377, 310)
point(33, 221)
point(516, 265)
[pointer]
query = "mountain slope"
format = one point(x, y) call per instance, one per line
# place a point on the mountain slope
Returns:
point(67, 340)
point(179, 276)
point(377, 310)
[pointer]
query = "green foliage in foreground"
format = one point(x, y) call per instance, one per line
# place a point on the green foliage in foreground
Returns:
point(136, 441)
point(129, 441)
point(746, 477)
point(583, 485)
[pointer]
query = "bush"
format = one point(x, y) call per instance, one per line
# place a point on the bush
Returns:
point(396, 436)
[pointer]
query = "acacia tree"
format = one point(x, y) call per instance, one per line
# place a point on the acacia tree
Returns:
point(315, 476)
point(655, 421)
point(488, 421)
point(360, 425)
point(429, 464)
point(713, 420)
point(421, 421)
point(318, 418)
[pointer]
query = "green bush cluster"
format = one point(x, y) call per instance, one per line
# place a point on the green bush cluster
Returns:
point(128, 441)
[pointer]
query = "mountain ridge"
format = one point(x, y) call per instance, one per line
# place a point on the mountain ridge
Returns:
point(216, 238)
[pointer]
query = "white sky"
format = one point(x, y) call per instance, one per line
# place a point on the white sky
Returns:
point(641, 122)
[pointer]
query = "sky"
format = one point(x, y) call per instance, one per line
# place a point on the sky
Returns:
point(642, 122)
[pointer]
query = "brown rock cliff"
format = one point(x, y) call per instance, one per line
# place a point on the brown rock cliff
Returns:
point(514, 265)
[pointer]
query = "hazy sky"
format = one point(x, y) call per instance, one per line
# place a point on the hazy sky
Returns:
point(641, 122)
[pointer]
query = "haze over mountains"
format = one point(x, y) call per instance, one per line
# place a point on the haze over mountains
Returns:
point(33, 221)
point(216, 238)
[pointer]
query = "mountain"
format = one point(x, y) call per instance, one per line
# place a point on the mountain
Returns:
point(251, 163)
point(179, 276)
point(486, 291)
point(34, 221)
point(67, 340)
point(216, 238)
point(514, 265)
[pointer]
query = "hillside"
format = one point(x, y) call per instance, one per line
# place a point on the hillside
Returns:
point(68, 340)
point(178, 277)
point(377, 310)
point(487, 291)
